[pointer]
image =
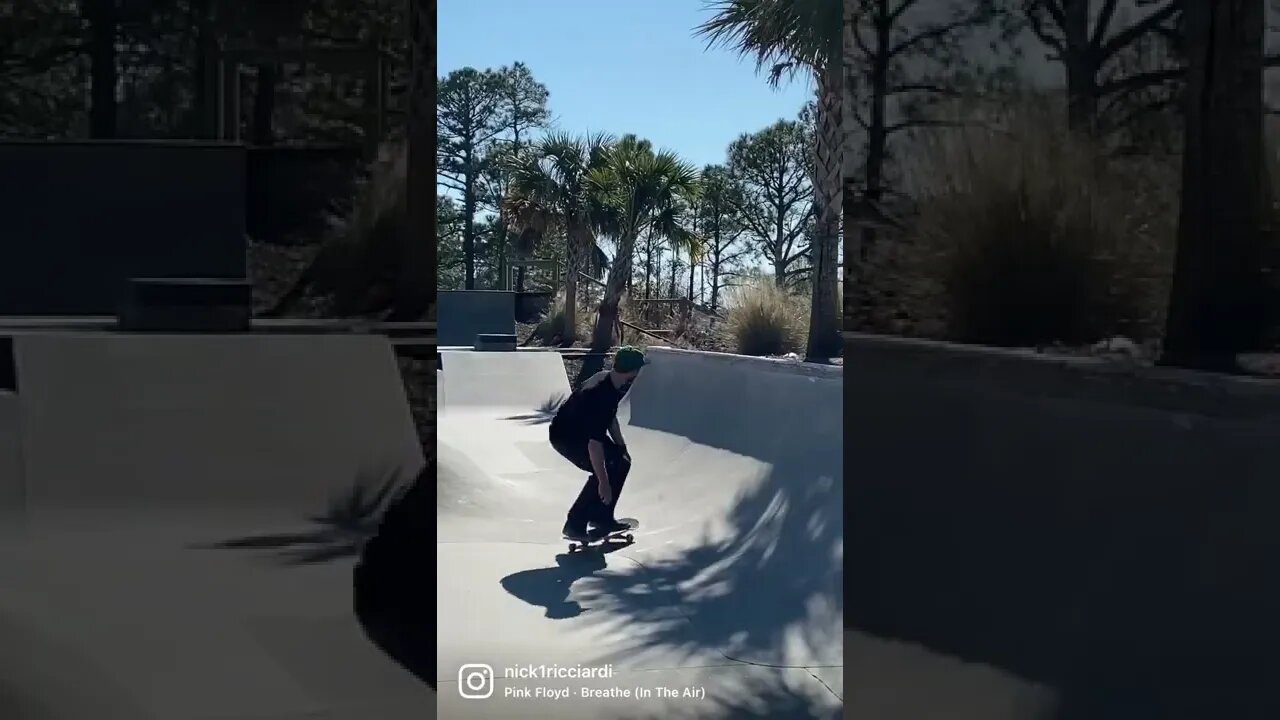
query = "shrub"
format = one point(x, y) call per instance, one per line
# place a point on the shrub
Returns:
point(356, 267)
point(1029, 236)
point(762, 319)
point(551, 326)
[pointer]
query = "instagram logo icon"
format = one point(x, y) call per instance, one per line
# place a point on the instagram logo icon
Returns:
point(475, 681)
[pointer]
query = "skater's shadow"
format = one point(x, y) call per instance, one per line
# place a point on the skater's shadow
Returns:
point(551, 587)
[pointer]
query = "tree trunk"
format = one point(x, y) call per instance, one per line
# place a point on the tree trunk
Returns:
point(573, 257)
point(1216, 300)
point(1081, 68)
point(264, 105)
point(877, 131)
point(416, 283)
point(469, 227)
point(824, 323)
point(648, 266)
point(615, 287)
point(715, 273)
point(203, 80)
point(103, 27)
point(693, 269)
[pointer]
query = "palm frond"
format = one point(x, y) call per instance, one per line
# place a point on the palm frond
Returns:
point(782, 36)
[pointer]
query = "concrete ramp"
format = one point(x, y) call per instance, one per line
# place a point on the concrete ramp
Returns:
point(186, 548)
point(194, 421)
point(12, 472)
point(730, 602)
point(481, 381)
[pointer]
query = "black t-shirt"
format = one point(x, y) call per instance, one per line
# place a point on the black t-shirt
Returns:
point(590, 410)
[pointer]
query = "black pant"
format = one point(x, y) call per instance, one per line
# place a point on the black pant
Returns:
point(588, 508)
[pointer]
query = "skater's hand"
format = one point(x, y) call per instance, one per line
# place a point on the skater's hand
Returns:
point(606, 492)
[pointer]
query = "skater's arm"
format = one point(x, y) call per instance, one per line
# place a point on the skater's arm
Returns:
point(595, 449)
point(615, 431)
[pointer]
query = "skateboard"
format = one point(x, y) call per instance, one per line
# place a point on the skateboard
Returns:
point(598, 537)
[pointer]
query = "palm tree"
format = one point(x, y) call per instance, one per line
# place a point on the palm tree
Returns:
point(788, 37)
point(548, 188)
point(632, 188)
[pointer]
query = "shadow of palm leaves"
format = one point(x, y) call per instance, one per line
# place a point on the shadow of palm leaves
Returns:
point(350, 519)
point(544, 413)
point(772, 583)
point(762, 697)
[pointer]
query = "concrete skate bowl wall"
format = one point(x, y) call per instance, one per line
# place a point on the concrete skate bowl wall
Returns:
point(187, 499)
point(1068, 520)
point(41, 651)
point(81, 218)
point(464, 314)
point(748, 451)
point(526, 380)
point(12, 490)
point(524, 389)
point(197, 422)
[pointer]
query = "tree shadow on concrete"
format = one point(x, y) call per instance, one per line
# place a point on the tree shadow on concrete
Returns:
point(542, 414)
point(764, 697)
point(551, 587)
point(763, 584)
point(339, 532)
point(772, 582)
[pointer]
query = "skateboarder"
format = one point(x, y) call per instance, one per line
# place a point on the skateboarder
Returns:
point(582, 430)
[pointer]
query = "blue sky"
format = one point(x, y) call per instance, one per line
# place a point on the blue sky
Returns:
point(620, 66)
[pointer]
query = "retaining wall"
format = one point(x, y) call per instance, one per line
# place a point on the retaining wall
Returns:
point(1073, 520)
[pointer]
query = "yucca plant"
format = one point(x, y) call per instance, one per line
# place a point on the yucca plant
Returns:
point(763, 319)
point(1035, 237)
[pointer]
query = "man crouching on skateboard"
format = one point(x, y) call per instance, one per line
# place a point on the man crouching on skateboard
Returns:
point(581, 432)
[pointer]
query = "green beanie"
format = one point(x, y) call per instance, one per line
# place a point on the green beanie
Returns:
point(628, 359)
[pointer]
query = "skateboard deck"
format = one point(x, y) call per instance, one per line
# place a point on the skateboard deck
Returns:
point(594, 537)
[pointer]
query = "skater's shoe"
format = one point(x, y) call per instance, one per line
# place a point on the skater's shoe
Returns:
point(609, 526)
point(575, 533)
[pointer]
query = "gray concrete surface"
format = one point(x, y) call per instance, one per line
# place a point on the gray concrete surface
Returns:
point(1101, 527)
point(159, 551)
point(733, 588)
point(464, 314)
